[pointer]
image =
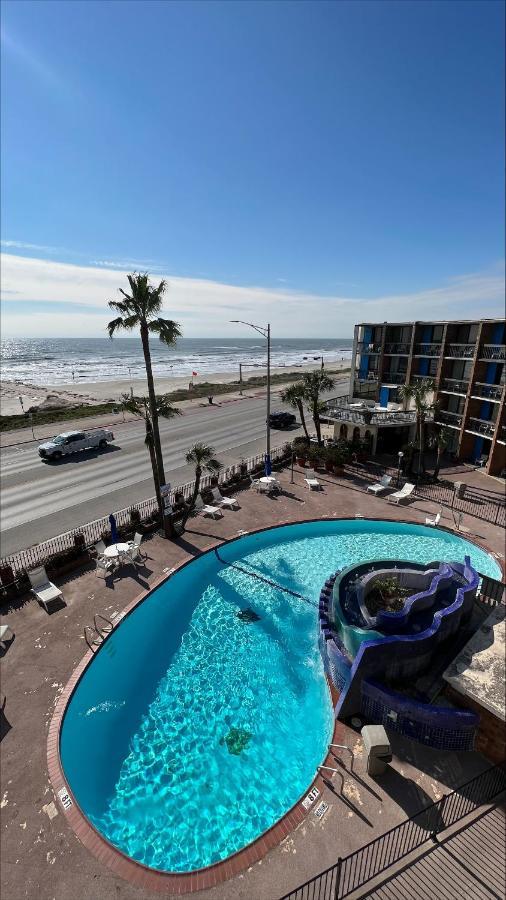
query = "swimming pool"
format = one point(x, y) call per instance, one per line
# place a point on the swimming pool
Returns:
point(203, 717)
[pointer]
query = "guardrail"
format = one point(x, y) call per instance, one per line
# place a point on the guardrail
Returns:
point(92, 531)
point(358, 868)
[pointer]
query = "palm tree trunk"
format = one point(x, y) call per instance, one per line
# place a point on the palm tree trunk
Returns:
point(316, 420)
point(302, 418)
point(196, 489)
point(150, 446)
point(420, 449)
point(152, 404)
point(438, 463)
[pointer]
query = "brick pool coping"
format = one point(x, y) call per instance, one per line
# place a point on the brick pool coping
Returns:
point(186, 882)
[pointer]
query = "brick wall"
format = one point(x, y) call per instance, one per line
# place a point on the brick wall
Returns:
point(491, 735)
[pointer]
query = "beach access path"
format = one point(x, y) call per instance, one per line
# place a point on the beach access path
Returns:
point(41, 500)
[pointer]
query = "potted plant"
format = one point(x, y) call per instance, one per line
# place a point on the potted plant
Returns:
point(135, 517)
point(79, 541)
point(301, 449)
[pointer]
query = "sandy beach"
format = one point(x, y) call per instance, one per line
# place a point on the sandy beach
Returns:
point(102, 391)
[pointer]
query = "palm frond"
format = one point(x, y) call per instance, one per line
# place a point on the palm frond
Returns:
point(116, 325)
point(165, 408)
point(167, 330)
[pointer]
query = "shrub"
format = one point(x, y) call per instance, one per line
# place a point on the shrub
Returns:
point(80, 541)
point(6, 575)
point(135, 515)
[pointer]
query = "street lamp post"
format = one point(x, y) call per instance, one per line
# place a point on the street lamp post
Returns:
point(400, 455)
point(265, 331)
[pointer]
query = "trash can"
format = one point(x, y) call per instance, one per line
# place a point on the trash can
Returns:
point(377, 748)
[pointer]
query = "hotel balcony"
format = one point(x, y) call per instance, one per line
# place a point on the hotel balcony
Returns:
point(393, 378)
point(397, 349)
point(427, 349)
point(492, 392)
point(359, 414)
point(451, 419)
point(460, 351)
point(493, 352)
point(368, 349)
point(454, 386)
point(481, 427)
point(501, 435)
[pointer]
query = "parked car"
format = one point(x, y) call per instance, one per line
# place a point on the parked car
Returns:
point(282, 420)
point(72, 441)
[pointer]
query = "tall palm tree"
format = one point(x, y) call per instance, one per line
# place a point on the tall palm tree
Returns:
point(314, 384)
point(418, 392)
point(294, 396)
point(202, 457)
point(140, 309)
point(440, 440)
point(141, 407)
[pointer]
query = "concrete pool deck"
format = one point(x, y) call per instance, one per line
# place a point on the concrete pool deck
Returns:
point(41, 855)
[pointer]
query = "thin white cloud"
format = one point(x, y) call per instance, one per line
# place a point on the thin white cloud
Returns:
point(205, 307)
point(24, 245)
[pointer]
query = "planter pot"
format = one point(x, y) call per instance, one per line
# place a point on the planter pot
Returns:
point(329, 467)
point(301, 461)
point(69, 566)
point(338, 470)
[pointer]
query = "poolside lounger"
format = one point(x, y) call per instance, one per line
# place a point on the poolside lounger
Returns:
point(203, 509)
point(42, 587)
point(380, 485)
point(402, 495)
point(311, 481)
point(231, 502)
point(434, 520)
point(6, 634)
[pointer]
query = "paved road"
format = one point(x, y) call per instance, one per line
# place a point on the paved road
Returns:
point(41, 500)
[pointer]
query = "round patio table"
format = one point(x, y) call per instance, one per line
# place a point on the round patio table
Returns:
point(114, 550)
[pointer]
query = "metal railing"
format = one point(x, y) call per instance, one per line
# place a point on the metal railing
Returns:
point(397, 348)
point(393, 377)
point(42, 553)
point(448, 418)
point(460, 351)
point(493, 351)
point(370, 417)
point(427, 349)
point(368, 347)
point(454, 386)
point(481, 426)
point(358, 868)
point(488, 391)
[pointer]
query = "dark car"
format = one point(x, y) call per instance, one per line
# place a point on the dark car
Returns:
point(282, 420)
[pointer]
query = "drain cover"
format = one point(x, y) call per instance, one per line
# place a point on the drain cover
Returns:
point(236, 740)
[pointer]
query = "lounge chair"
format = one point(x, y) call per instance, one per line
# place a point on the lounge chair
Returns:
point(402, 495)
point(6, 634)
point(380, 485)
point(311, 481)
point(434, 520)
point(229, 502)
point(203, 509)
point(255, 482)
point(43, 588)
point(104, 564)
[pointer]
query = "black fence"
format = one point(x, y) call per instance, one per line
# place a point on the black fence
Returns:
point(39, 554)
point(353, 871)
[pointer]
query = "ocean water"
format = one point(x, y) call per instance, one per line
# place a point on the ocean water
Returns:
point(195, 729)
point(53, 361)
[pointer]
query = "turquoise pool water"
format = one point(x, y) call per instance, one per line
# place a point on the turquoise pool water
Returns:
point(195, 729)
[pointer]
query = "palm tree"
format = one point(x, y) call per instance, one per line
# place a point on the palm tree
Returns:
point(294, 396)
point(202, 457)
point(440, 440)
point(141, 407)
point(140, 309)
point(418, 392)
point(313, 384)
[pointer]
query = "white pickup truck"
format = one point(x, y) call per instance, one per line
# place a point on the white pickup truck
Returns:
point(72, 441)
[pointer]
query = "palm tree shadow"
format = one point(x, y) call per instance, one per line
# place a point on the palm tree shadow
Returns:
point(5, 725)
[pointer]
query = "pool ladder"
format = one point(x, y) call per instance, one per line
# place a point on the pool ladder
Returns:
point(98, 632)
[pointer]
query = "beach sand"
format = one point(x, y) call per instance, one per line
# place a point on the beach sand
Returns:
point(103, 391)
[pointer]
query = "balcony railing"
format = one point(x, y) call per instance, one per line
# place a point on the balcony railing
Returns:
point(449, 418)
point(397, 349)
point(493, 351)
point(460, 351)
point(481, 426)
point(454, 386)
point(427, 349)
point(365, 348)
point(426, 377)
point(501, 436)
point(369, 416)
point(488, 391)
point(393, 377)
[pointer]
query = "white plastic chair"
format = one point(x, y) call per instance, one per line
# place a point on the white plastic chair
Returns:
point(203, 509)
point(402, 495)
point(380, 485)
point(229, 502)
point(44, 589)
point(135, 551)
point(311, 480)
point(434, 521)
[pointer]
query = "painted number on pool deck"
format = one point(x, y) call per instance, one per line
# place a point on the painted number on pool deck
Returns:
point(311, 797)
point(65, 800)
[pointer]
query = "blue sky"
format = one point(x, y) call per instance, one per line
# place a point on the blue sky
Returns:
point(337, 151)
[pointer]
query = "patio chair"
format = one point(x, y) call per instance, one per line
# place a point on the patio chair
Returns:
point(434, 520)
point(229, 502)
point(135, 551)
point(100, 548)
point(255, 483)
point(44, 589)
point(402, 495)
point(380, 486)
point(104, 566)
point(203, 509)
point(311, 480)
